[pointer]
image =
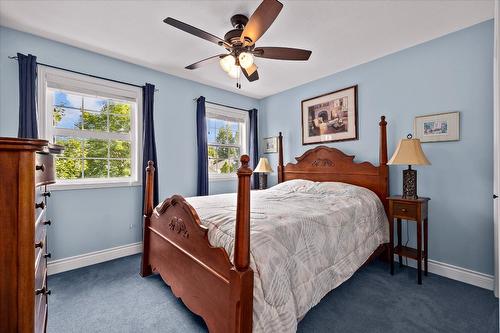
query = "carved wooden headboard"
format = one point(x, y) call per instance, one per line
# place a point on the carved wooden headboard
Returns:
point(325, 164)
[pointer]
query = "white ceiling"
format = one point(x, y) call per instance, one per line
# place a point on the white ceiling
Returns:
point(341, 34)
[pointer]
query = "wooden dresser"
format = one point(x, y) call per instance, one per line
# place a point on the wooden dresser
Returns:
point(26, 168)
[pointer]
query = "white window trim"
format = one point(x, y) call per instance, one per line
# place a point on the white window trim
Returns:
point(212, 111)
point(56, 78)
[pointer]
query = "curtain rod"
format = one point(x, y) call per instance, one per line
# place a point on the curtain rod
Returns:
point(81, 73)
point(224, 105)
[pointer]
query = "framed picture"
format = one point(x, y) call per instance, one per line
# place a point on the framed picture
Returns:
point(330, 117)
point(271, 145)
point(437, 127)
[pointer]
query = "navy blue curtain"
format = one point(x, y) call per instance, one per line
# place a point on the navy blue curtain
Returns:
point(201, 135)
point(27, 96)
point(149, 143)
point(254, 144)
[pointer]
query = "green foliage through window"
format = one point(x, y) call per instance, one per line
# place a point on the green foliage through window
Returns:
point(224, 147)
point(95, 155)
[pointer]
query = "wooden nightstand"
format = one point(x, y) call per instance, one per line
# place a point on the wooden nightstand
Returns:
point(412, 210)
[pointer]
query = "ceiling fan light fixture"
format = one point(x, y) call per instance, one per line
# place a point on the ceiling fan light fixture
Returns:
point(234, 72)
point(227, 63)
point(246, 59)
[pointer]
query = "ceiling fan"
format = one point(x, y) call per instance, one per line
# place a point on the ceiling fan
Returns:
point(240, 42)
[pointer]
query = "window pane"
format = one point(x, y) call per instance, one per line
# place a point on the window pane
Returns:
point(68, 168)
point(119, 168)
point(119, 108)
point(65, 99)
point(96, 148)
point(95, 168)
point(72, 146)
point(120, 149)
point(95, 121)
point(212, 165)
point(94, 103)
point(119, 123)
point(67, 118)
point(223, 159)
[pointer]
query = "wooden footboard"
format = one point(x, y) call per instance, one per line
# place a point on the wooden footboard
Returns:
point(176, 246)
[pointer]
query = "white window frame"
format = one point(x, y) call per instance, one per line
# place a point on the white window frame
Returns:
point(49, 77)
point(217, 111)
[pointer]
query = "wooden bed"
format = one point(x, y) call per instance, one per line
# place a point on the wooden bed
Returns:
point(176, 245)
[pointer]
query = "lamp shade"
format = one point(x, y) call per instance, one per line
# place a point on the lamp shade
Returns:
point(263, 166)
point(409, 152)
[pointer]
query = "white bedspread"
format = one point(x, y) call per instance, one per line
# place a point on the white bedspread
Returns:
point(306, 239)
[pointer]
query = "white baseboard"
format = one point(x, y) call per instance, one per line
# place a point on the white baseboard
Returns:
point(92, 258)
point(461, 274)
point(450, 271)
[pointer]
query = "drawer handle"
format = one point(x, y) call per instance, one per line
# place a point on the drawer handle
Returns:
point(46, 194)
point(48, 222)
point(47, 255)
point(39, 244)
point(40, 205)
point(40, 167)
point(403, 210)
point(44, 291)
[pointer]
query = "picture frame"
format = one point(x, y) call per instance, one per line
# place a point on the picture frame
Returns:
point(437, 127)
point(270, 145)
point(330, 117)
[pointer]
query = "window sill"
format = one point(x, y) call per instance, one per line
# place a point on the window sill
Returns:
point(82, 186)
point(222, 178)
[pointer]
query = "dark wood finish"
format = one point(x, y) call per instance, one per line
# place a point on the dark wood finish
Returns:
point(412, 210)
point(260, 21)
point(355, 116)
point(24, 174)
point(194, 31)
point(281, 168)
point(176, 244)
point(282, 53)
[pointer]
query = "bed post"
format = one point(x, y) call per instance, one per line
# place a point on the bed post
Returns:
point(242, 274)
point(148, 210)
point(383, 141)
point(281, 168)
point(383, 167)
point(242, 235)
point(384, 179)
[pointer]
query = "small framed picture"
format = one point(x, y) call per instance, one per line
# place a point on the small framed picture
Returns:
point(437, 127)
point(271, 145)
point(330, 117)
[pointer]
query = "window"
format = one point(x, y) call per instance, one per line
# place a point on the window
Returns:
point(97, 121)
point(227, 130)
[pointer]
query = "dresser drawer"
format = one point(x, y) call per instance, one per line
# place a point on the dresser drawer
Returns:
point(40, 239)
point(404, 210)
point(41, 307)
point(45, 172)
point(41, 317)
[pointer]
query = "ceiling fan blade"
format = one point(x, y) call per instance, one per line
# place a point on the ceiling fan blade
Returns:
point(260, 21)
point(282, 53)
point(205, 61)
point(251, 73)
point(195, 31)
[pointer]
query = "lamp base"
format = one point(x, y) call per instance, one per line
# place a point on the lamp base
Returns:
point(262, 181)
point(409, 183)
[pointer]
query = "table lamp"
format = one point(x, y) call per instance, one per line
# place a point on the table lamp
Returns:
point(263, 168)
point(409, 152)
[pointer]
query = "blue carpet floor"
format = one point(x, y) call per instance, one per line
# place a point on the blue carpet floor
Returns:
point(112, 297)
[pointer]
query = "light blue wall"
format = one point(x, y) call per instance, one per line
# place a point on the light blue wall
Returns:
point(451, 73)
point(91, 220)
